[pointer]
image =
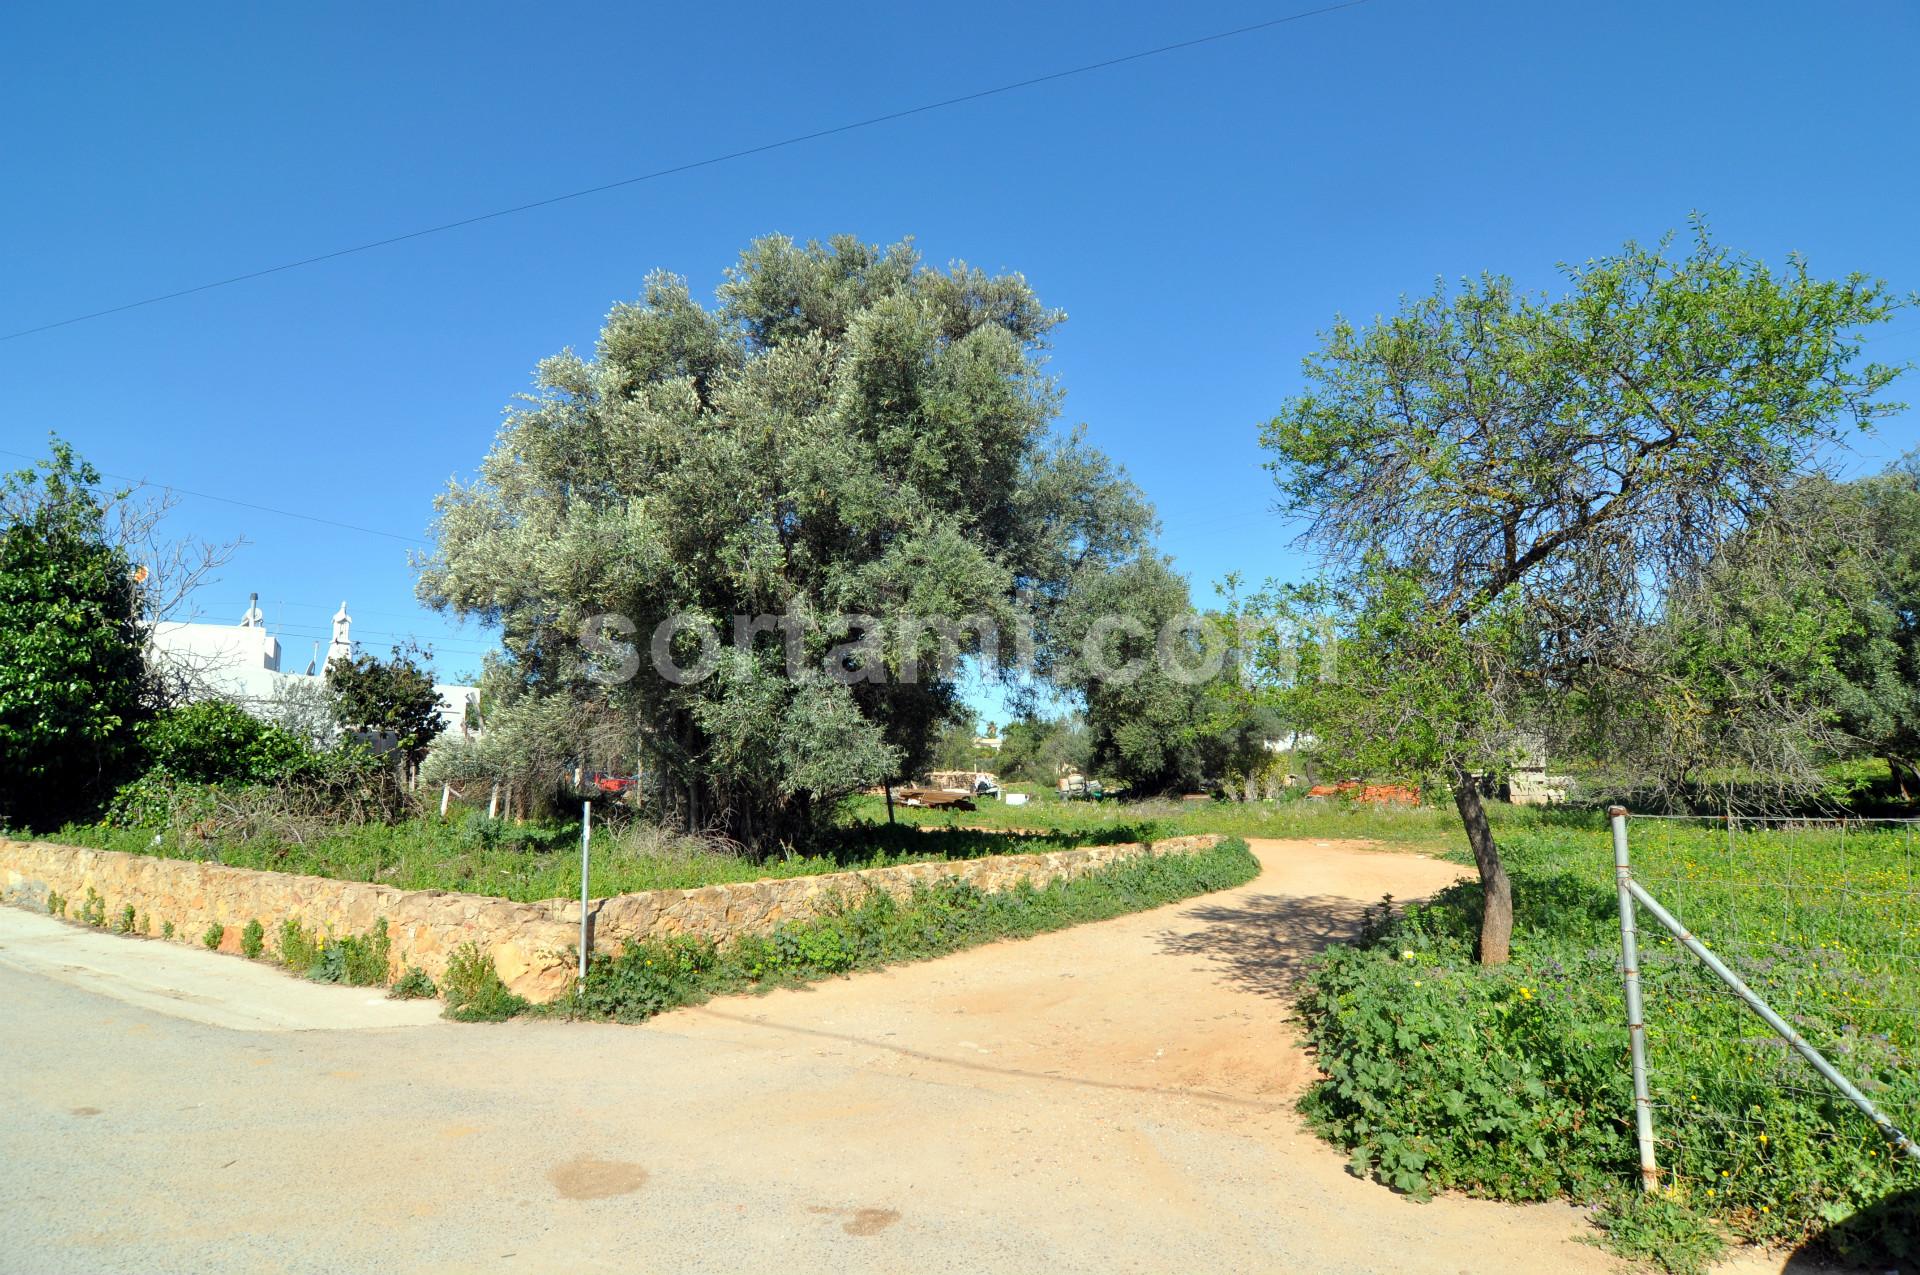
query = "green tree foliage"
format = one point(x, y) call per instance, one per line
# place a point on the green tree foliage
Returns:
point(72, 676)
point(393, 696)
point(845, 433)
point(1039, 749)
point(217, 743)
point(1143, 712)
point(1878, 697)
point(1506, 486)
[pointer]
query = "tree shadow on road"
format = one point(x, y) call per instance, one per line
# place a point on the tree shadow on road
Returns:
point(1262, 943)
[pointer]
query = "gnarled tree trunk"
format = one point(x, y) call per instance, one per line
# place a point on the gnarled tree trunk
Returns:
point(1496, 922)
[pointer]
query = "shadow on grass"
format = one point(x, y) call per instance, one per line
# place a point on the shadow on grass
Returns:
point(1878, 1237)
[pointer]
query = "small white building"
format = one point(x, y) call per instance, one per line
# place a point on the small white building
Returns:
point(240, 663)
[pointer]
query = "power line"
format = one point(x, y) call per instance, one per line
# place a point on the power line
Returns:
point(709, 162)
point(244, 504)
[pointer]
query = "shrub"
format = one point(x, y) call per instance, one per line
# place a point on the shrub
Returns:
point(211, 742)
point(414, 984)
point(94, 910)
point(215, 932)
point(473, 990)
point(166, 929)
point(56, 903)
point(124, 925)
point(252, 939)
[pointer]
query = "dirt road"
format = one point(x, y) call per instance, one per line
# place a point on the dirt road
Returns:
point(1116, 1097)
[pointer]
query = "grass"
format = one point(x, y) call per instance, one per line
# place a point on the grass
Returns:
point(539, 861)
point(1513, 1082)
point(1425, 827)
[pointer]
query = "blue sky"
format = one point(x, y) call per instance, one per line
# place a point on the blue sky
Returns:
point(1199, 215)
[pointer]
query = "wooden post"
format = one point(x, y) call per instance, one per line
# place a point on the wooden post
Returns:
point(446, 795)
point(493, 802)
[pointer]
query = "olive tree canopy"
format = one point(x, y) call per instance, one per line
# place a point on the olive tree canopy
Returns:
point(846, 433)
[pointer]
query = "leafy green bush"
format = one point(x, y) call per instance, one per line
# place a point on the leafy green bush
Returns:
point(1513, 1082)
point(211, 742)
point(211, 939)
point(56, 903)
point(473, 990)
point(252, 939)
point(413, 985)
point(94, 910)
point(125, 923)
point(935, 919)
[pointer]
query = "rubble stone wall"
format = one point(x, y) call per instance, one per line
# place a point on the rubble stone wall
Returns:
point(530, 942)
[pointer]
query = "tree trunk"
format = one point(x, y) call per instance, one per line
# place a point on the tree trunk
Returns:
point(1899, 770)
point(889, 802)
point(1496, 923)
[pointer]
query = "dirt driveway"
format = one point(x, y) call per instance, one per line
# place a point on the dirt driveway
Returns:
point(1116, 1097)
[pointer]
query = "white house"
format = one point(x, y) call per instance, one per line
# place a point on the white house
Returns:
point(241, 663)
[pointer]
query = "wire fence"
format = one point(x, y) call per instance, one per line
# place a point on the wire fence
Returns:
point(1821, 919)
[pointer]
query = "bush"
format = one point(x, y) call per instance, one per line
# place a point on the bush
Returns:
point(252, 939)
point(211, 939)
point(473, 990)
point(216, 743)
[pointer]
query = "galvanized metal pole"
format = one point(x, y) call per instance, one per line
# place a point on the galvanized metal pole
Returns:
point(586, 839)
point(1846, 1087)
point(1636, 1021)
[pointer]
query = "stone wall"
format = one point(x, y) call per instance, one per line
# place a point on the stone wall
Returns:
point(529, 942)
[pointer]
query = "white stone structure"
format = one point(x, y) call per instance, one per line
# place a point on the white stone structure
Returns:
point(241, 663)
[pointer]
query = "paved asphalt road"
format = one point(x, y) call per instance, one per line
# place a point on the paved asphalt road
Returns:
point(1116, 1097)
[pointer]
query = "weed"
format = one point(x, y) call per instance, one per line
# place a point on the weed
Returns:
point(166, 929)
point(1660, 1230)
point(473, 990)
point(413, 985)
point(123, 924)
point(299, 950)
point(56, 903)
point(253, 939)
point(94, 911)
point(211, 939)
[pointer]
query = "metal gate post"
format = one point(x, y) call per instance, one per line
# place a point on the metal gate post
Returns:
point(1636, 1022)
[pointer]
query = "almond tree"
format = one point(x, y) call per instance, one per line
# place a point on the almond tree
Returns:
point(1504, 488)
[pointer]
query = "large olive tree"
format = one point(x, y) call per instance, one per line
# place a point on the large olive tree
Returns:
point(846, 433)
point(1507, 487)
